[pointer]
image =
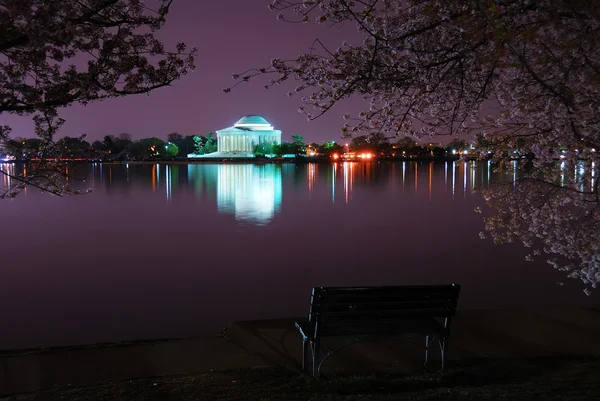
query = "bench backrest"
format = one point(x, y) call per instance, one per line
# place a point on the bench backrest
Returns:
point(343, 306)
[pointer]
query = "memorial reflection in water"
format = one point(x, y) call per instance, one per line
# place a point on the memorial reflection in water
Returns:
point(252, 193)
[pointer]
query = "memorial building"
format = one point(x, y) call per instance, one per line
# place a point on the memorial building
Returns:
point(248, 131)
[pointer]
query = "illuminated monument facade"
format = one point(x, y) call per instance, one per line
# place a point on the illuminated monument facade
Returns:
point(239, 140)
point(249, 130)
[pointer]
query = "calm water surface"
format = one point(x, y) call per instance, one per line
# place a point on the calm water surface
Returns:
point(180, 250)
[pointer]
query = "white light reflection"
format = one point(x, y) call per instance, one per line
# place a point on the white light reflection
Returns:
point(445, 175)
point(251, 192)
point(168, 182)
point(348, 180)
point(514, 163)
point(581, 180)
point(157, 176)
point(465, 179)
point(453, 179)
point(334, 173)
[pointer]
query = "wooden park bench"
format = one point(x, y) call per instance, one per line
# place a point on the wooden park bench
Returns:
point(359, 313)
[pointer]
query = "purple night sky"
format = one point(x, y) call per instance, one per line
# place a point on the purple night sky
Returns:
point(231, 36)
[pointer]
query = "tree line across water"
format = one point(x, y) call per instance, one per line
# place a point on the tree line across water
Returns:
point(123, 147)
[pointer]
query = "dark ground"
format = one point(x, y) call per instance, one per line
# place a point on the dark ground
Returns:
point(552, 378)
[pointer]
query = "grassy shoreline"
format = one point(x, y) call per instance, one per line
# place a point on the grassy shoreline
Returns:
point(547, 378)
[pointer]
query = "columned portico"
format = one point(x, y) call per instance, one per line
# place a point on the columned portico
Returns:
point(240, 139)
point(246, 133)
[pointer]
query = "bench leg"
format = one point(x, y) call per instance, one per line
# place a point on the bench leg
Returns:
point(304, 351)
point(316, 348)
point(443, 348)
point(426, 350)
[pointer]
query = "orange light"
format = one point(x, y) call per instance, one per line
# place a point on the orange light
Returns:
point(335, 155)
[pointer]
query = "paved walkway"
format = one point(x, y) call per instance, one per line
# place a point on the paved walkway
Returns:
point(475, 334)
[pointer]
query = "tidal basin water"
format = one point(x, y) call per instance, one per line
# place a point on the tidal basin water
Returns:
point(160, 251)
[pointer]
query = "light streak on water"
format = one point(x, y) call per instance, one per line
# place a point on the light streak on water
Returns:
point(168, 182)
point(334, 172)
point(430, 179)
point(453, 179)
point(416, 178)
point(465, 179)
point(472, 171)
point(157, 176)
point(446, 175)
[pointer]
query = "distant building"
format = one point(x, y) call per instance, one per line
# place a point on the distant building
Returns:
point(239, 140)
point(248, 131)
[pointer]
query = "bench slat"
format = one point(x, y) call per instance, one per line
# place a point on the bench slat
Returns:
point(387, 295)
point(392, 290)
point(388, 305)
point(393, 313)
